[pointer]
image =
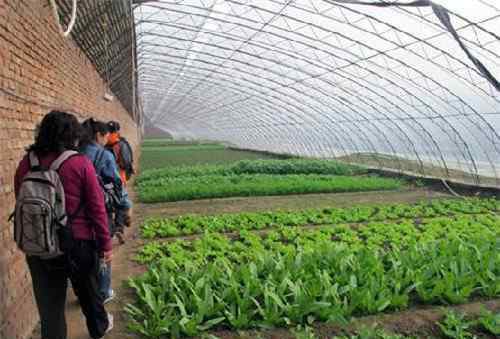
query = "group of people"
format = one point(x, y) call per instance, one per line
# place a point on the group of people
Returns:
point(71, 200)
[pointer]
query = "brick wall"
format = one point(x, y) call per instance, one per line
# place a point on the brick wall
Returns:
point(39, 70)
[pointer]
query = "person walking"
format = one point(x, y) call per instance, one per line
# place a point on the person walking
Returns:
point(95, 137)
point(124, 158)
point(76, 238)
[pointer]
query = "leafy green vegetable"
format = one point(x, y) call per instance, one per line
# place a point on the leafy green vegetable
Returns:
point(217, 186)
point(444, 252)
point(268, 166)
point(289, 284)
point(420, 213)
point(255, 177)
point(489, 322)
point(455, 326)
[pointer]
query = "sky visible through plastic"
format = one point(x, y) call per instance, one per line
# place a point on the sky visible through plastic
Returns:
point(318, 78)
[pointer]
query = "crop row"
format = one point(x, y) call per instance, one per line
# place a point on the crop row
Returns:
point(195, 224)
point(173, 157)
point(181, 148)
point(218, 186)
point(376, 236)
point(268, 166)
point(281, 284)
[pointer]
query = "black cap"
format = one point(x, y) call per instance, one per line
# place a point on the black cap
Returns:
point(113, 126)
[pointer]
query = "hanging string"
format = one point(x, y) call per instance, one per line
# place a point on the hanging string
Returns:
point(58, 19)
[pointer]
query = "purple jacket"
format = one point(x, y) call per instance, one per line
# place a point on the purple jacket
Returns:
point(83, 193)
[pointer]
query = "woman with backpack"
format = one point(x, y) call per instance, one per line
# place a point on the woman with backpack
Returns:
point(95, 137)
point(62, 234)
point(122, 151)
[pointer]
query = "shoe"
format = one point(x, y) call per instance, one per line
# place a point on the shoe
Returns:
point(128, 221)
point(111, 324)
point(120, 238)
point(111, 321)
point(110, 297)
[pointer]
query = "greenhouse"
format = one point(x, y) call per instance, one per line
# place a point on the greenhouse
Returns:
point(235, 169)
point(348, 79)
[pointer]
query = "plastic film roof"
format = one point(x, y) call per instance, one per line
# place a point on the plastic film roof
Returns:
point(390, 87)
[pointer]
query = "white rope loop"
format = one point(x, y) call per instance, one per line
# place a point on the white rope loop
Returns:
point(58, 20)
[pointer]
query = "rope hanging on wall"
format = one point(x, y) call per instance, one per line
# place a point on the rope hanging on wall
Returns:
point(58, 20)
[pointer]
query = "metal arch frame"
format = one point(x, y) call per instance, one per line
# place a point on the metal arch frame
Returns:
point(275, 105)
point(271, 103)
point(469, 24)
point(445, 165)
point(469, 154)
point(339, 112)
point(397, 31)
point(336, 122)
point(345, 22)
point(367, 88)
point(441, 117)
point(160, 9)
point(266, 112)
point(464, 156)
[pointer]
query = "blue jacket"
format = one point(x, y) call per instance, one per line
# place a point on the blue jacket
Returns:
point(106, 167)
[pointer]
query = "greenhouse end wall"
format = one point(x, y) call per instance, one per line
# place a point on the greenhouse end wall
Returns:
point(39, 70)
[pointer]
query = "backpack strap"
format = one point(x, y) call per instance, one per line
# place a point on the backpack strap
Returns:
point(34, 162)
point(61, 159)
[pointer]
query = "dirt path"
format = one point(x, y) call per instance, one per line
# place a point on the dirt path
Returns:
point(124, 267)
point(289, 202)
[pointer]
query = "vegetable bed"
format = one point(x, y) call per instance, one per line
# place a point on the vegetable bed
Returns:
point(193, 224)
point(440, 253)
point(256, 178)
point(161, 153)
point(206, 187)
point(276, 167)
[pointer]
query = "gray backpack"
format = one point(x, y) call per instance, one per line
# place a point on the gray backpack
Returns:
point(40, 213)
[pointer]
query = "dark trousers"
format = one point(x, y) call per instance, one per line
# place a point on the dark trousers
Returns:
point(50, 281)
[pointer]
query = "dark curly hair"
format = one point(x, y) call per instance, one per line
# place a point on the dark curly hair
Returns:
point(58, 132)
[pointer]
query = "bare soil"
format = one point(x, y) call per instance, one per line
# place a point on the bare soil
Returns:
point(289, 202)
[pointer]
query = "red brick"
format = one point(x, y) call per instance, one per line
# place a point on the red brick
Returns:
point(47, 71)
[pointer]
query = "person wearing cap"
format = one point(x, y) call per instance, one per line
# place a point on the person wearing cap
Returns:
point(123, 156)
